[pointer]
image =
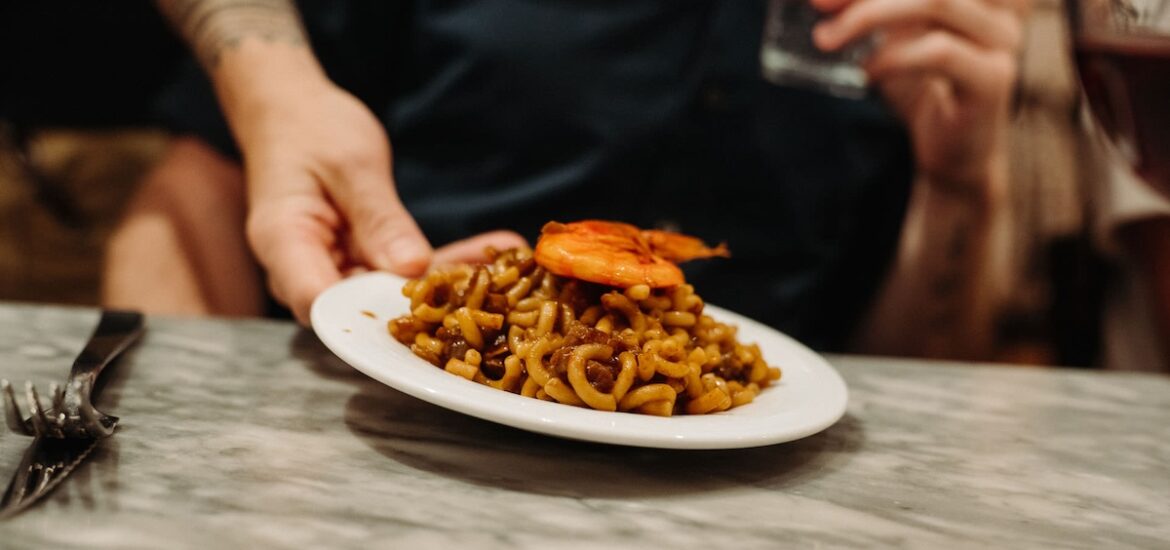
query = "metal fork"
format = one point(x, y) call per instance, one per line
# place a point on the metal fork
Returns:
point(71, 413)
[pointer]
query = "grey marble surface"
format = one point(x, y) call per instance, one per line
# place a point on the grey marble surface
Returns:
point(251, 434)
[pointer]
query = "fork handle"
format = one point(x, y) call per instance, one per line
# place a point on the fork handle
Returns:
point(114, 333)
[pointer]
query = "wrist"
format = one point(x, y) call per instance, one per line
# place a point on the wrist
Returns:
point(262, 80)
point(981, 186)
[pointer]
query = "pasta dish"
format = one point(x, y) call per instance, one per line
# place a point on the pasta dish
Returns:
point(597, 316)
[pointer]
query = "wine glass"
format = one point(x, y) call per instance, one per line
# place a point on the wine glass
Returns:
point(1122, 50)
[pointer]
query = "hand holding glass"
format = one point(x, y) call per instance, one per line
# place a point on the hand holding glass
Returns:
point(789, 57)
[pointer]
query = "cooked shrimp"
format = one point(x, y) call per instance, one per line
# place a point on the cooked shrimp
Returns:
point(618, 254)
point(678, 248)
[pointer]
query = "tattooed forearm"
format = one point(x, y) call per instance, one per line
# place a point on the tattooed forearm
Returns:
point(213, 27)
point(947, 275)
point(938, 299)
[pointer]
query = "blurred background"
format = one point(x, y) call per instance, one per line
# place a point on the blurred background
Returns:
point(78, 79)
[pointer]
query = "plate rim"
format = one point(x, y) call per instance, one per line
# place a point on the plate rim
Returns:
point(562, 420)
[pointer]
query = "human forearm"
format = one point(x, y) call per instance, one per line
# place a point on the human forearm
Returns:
point(948, 69)
point(321, 197)
point(939, 297)
point(255, 51)
point(215, 29)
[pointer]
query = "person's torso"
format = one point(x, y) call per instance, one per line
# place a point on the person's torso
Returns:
point(511, 113)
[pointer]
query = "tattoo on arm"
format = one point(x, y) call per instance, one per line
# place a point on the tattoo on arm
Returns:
point(946, 287)
point(212, 27)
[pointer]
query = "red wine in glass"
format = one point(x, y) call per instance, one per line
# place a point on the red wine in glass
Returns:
point(1127, 81)
point(1122, 50)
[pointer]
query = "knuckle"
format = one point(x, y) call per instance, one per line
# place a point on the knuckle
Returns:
point(255, 230)
point(263, 222)
point(379, 223)
point(939, 50)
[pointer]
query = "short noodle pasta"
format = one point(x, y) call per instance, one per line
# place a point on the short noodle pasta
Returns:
point(512, 325)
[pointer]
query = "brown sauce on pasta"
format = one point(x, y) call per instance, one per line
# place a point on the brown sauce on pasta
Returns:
point(514, 326)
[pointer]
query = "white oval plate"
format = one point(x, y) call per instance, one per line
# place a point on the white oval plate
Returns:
point(350, 318)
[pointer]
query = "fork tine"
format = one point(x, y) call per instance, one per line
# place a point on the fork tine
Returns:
point(36, 413)
point(38, 478)
point(58, 393)
point(91, 419)
point(11, 411)
point(56, 416)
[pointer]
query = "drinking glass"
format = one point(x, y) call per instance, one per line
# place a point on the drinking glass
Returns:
point(788, 55)
point(1122, 50)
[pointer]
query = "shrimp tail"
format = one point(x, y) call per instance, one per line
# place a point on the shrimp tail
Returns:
point(678, 248)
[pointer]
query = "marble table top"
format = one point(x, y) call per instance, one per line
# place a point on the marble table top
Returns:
point(251, 434)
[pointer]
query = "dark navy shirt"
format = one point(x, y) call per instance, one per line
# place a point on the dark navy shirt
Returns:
point(510, 113)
